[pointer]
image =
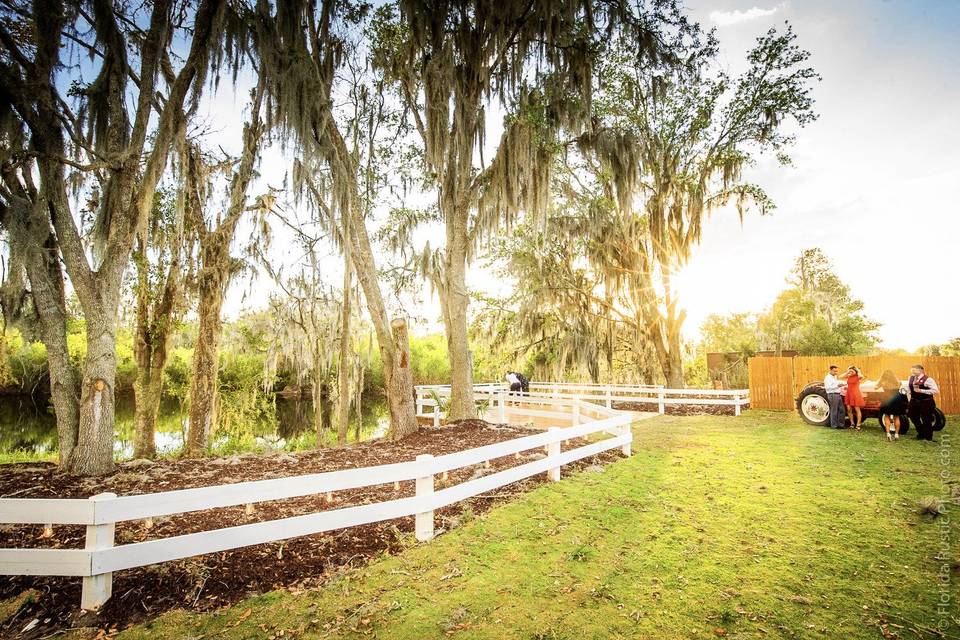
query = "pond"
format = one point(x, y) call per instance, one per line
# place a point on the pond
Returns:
point(28, 425)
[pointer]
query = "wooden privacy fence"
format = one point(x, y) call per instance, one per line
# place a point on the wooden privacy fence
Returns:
point(499, 399)
point(776, 382)
point(97, 561)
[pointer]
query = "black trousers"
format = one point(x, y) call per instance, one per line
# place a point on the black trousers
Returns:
point(921, 414)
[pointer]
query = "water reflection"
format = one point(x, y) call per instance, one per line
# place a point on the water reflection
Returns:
point(30, 426)
point(26, 425)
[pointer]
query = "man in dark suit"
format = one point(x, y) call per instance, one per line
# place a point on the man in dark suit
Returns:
point(922, 408)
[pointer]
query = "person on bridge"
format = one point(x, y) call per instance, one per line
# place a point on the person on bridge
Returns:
point(921, 408)
point(518, 382)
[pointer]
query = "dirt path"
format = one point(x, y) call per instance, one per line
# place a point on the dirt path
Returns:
point(212, 581)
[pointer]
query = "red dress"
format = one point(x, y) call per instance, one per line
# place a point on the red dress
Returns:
point(854, 397)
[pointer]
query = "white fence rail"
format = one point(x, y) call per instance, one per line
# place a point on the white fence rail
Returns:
point(431, 398)
point(96, 562)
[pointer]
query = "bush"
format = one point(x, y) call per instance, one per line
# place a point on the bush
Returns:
point(25, 369)
point(176, 375)
point(429, 359)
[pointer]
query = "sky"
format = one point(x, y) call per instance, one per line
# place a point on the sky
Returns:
point(875, 181)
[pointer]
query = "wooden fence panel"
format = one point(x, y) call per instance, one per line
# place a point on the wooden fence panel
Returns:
point(776, 382)
point(771, 382)
point(810, 369)
point(946, 371)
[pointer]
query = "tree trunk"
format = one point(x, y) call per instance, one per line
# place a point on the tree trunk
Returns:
point(462, 405)
point(93, 454)
point(326, 408)
point(150, 348)
point(46, 286)
point(673, 325)
point(400, 386)
point(216, 268)
point(316, 397)
point(663, 330)
point(144, 408)
point(147, 395)
point(673, 369)
point(31, 241)
point(344, 365)
point(358, 402)
point(203, 382)
point(403, 419)
point(63, 386)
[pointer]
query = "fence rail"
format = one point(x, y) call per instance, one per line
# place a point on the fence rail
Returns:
point(431, 398)
point(100, 558)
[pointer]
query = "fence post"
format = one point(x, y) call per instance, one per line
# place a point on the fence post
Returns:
point(609, 398)
point(660, 400)
point(553, 451)
point(98, 588)
point(627, 431)
point(424, 487)
point(419, 404)
point(436, 415)
point(736, 410)
point(576, 411)
point(503, 405)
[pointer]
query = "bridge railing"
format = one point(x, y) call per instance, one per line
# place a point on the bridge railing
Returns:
point(431, 399)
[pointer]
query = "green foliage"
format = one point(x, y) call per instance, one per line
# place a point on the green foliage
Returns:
point(816, 315)
point(429, 359)
point(695, 372)
point(950, 348)
point(27, 360)
point(852, 335)
point(246, 406)
point(7, 379)
point(176, 381)
point(593, 293)
point(25, 365)
point(734, 333)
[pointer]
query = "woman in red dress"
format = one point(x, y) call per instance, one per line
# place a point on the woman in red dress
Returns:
point(854, 398)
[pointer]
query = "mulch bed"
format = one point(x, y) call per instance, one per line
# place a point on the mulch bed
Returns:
point(681, 409)
point(209, 582)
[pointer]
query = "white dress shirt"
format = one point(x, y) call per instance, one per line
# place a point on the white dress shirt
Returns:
point(831, 384)
point(512, 379)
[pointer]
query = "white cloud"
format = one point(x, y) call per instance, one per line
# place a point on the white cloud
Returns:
point(726, 18)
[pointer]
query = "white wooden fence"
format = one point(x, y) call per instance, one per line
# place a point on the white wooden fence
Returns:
point(97, 561)
point(431, 399)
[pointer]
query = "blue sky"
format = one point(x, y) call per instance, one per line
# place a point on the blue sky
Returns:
point(875, 181)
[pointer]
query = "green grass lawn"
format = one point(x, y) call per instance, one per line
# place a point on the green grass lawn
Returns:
point(750, 527)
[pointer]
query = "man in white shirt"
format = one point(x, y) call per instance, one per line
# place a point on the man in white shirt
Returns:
point(831, 384)
point(921, 408)
point(514, 381)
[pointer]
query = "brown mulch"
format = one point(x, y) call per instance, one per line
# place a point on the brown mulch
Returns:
point(681, 409)
point(209, 582)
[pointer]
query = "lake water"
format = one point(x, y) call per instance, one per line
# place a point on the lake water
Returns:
point(28, 425)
